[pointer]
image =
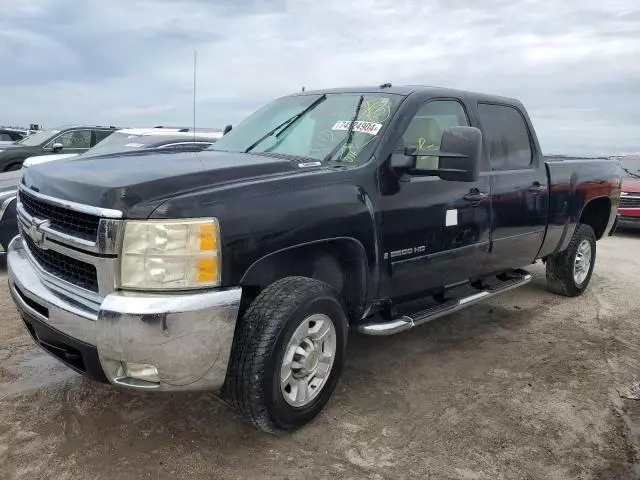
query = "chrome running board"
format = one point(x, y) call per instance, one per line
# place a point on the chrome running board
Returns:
point(405, 322)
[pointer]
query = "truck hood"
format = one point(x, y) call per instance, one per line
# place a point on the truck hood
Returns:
point(630, 185)
point(126, 180)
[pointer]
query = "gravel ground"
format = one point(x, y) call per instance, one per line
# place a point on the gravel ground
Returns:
point(528, 385)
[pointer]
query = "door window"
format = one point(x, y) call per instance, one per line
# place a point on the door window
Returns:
point(74, 139)
point(426, 128)
point(507, 137)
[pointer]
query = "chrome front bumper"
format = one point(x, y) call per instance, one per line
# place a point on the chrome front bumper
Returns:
point(187, 336)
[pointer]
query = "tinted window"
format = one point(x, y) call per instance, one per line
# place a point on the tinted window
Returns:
point(74, 139)
point(507, 136)
point(5, 137)
point(426, 128)
point(102, 134)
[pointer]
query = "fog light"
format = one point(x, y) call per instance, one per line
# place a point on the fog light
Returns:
point(141, 371)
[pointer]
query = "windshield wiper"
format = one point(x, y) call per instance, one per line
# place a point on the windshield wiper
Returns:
point(287, 123)
point(630, 173)
point(348, 137)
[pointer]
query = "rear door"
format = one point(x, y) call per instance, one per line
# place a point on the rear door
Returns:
point(434, 232)
point(519, 187)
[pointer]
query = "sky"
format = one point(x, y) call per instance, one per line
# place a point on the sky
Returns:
point(575, 64)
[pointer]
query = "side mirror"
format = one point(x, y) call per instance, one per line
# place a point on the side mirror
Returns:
point(459, 156)
point(227, 129)
point(56, 147)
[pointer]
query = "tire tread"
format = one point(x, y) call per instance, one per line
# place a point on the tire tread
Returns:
point(254, 341)
point(560, 265)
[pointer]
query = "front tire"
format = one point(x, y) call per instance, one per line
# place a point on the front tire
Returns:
point(287, 355)
point(569, 272)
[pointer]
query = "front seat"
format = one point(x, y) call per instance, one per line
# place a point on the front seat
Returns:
point(424, 133)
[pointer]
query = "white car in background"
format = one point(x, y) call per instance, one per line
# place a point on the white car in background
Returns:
point(138, 139)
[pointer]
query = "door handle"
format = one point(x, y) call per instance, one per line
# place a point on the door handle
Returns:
point(475, 196)
point(536, 188)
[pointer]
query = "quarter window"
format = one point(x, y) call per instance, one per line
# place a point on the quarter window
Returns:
point(507, 137)
point(102, 134)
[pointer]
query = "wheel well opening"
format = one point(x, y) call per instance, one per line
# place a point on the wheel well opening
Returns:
point(596, 214)
point(340, 264)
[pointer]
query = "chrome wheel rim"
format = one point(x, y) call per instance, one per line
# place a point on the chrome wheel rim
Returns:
point(582, 262)
point(308, 360)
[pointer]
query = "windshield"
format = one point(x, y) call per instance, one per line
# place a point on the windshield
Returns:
point(38, 138)
point(315, 127)
point(631, 167)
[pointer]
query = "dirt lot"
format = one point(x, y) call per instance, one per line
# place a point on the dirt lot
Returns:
point(525, 386)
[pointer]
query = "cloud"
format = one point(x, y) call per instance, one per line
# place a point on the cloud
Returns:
point(573, 63)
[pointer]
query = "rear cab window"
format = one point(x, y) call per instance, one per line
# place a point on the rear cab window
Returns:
point(507, 136)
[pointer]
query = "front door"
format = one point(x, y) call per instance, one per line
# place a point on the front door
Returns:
point(434, 232)
point(72, 141)
point(519, 187)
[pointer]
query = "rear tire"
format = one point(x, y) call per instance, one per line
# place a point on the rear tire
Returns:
point(292, 338)
point(569, 272)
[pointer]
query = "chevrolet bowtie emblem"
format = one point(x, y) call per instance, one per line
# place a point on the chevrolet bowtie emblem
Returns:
point(35, 231)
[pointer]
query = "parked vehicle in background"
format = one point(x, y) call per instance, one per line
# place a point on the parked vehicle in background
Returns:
point(74, 140)
point(240, 268)
point(133, 139)
point(8, 221)
point(11, 134)
point(629, 209)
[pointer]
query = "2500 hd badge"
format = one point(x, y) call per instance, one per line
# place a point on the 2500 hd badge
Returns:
point(405, 252)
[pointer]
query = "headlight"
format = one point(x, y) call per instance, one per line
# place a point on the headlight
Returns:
point(170, 254)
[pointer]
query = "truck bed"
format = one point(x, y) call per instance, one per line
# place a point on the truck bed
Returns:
point(573, 182)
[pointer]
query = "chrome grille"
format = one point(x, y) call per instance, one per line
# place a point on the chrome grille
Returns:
point(62, 219)
point(74, 246)
point(627, 201)
point(69, 269)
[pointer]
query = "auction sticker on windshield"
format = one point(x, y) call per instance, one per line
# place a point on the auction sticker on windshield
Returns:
point(363, 127)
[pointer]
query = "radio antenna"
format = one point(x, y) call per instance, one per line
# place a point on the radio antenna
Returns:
point(195, 66)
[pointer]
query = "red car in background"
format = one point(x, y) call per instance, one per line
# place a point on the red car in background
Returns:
point(629, 208)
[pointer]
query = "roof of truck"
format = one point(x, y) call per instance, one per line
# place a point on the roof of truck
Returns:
point(405, 90)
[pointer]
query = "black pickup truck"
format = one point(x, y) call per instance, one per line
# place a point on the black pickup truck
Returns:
point(240, 269)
